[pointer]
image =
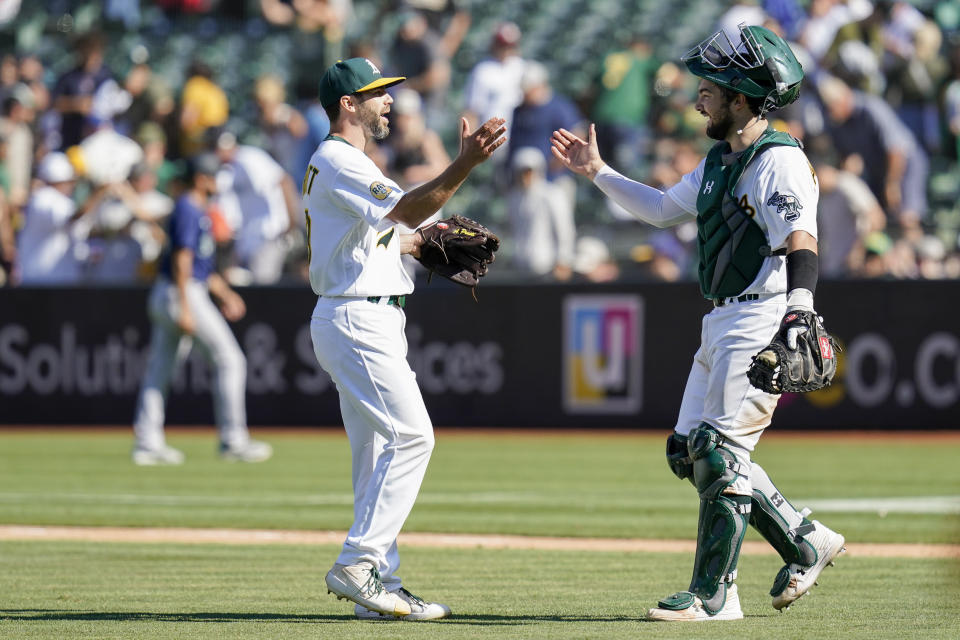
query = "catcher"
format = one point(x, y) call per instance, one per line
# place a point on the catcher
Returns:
point(754, 200)
point(458, 248)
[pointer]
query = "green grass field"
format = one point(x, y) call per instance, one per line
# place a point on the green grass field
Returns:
point(577, 485)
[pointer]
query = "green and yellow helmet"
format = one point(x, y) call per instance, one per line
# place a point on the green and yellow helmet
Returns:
point(761, 66)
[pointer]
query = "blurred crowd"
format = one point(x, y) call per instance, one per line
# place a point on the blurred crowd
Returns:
point(94, 134)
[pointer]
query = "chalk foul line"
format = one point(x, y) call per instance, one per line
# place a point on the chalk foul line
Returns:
point(181, 535)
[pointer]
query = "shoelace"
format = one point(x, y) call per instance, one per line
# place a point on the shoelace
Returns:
point(416, 599)
point(372, 586)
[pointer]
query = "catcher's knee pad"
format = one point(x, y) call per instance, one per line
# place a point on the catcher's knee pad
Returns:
point(715, 467)
point(678, 457)
point(723, 517)
point(779, 522)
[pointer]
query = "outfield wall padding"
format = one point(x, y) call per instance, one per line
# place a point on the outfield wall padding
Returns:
point(585, 356)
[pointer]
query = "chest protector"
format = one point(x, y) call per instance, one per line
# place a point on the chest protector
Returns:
point(730, 244)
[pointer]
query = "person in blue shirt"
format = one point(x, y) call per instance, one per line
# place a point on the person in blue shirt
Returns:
point(182, 313)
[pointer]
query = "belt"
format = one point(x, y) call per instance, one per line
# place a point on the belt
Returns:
point(719, 302)
point(398, 301)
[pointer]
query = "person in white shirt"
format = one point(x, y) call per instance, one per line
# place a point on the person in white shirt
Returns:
point(354, 216)
point(259, 200)
point(47, 244)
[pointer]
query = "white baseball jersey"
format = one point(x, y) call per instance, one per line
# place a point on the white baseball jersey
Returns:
point(779, 189)
point(354, 247)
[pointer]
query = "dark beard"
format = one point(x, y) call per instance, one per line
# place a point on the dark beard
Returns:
point(718, 129)
point(373, 123)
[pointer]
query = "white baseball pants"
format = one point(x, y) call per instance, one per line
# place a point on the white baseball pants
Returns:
point(168, 346)
point(363, 347)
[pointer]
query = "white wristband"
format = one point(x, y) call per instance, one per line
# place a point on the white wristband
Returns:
point(800, 299)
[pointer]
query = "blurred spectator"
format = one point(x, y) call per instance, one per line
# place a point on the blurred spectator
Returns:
point(542, 112)
point(283, 125)
point(448, 20)
point(260, 203)
point(49, 250)
point(848, 213)
point(876, 145)
point(931, 256)
point(9, 75)
point(826, 18)
point(75, 90)
point(203, 104)
point(318, 124)
point(543, 231)
point(493, 85)
point(914, 81)
point(137, 84)
point(416, 54)
point(153, 141)
point(622, 105)
point(16, 126)
point(593, 261)
point(740, 12)
point(126, 237)
point(413, 152)
point(8, 245)
point(319, 28)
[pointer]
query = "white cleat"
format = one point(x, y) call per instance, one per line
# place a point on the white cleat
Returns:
point(695, 611)
point(251, 451)
point(163, 455)
point(419, 609)
point(795, 580)
point(361, 584)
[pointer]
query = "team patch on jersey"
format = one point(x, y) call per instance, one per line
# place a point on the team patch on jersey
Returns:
point(380, 191)
point(786, 204)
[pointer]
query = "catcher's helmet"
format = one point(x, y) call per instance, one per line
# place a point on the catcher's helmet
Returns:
point(761, 66)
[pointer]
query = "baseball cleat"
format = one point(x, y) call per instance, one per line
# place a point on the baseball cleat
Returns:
point(794, 580)
point(251, 451)
point(361, 584)
point(163, 455)
point(691, 608)
point(419, 609)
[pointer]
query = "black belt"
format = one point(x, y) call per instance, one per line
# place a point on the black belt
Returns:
point(398, 301)
point(719, 302)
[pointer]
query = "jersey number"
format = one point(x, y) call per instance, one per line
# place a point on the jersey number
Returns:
point(745, 205)
point(306, 212)
point(308, 177)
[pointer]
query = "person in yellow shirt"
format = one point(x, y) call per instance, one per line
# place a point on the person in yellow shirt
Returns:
point(203, 104)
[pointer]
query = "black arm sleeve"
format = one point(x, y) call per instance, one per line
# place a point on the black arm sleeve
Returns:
point(803, 269)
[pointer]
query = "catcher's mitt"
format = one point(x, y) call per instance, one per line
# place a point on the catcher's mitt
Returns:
point(809, 366)
point(459, 249)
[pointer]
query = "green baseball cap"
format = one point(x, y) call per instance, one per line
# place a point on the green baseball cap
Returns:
point(352, 76)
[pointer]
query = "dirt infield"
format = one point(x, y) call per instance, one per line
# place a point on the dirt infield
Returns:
point(435, 540)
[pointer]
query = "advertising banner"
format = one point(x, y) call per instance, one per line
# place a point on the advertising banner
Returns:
point(612, 356)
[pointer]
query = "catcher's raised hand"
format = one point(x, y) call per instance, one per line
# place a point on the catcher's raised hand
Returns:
point(579, 155)
point(476, 147)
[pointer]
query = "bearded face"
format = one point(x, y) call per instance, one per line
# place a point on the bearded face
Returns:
point(371, 117)
point(720, 122)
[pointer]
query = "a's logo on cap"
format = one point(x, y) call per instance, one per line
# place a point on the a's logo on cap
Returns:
point(373, 67)
point(380, 191)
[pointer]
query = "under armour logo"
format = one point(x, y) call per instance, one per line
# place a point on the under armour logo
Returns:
point(708, 187)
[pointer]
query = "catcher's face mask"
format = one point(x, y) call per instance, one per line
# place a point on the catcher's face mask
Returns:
point(761, 65)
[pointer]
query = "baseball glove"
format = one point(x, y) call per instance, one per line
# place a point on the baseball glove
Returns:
point(802, 356)
point(459, 249)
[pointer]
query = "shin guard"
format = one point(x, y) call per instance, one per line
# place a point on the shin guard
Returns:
point(778, 521)
point(723, 516)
